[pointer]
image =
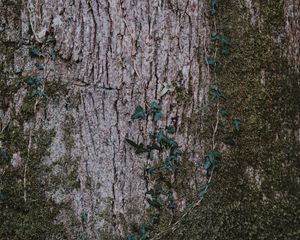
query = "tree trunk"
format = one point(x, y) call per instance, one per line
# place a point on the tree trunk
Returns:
point(67, 171)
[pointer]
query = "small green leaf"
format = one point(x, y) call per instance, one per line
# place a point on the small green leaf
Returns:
point(50, 39)
point(37, 93)
point(229, 140)
point(5, 156)
point(151, 170)
point(156, 203)
point(172, 206)
point(139, 113)
point(171, 129)
point(236, 124)
point(132, 237)
point(224, 113)
point(211, 61)
point(35, 52)
point(84, 217)
point(216, 93)
point(155, 107)
point(29, 81)
point(169, 166)
point(224, 50)
point(38, 81)
point(202, 191)
point(210, 159)
point(157, 116)
point(214, 5)
point(214, 36)
point(40, 66)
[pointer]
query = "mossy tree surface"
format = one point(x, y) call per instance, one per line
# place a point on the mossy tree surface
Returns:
point(255, 190)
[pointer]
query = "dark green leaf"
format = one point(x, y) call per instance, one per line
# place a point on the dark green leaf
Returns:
point(211, 61)
point(35, 52)
point(84, 216)
point(5, 157)
point(172, 206)
point(171, 129)
point(50, 39)
point(38, 81)
point(40, 66)
point(155, 107)
point(169, 166)
point(37, 93)
point(29, 81)
point(224, 113)
point(216, 93)
point(236, 124)
point(157, 116)
point(151, 154)
point(132, 143)
point(202, 191)
point(151, 170)
point(229, 140)
point(211, 159)
point(214, 36)
point(225, 50)
point(139, 113)
point(156, 203)
point(132, 237)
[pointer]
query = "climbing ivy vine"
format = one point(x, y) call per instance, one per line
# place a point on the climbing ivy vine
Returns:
point(161, 196)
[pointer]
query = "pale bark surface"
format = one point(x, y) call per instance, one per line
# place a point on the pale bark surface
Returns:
point(112, 56)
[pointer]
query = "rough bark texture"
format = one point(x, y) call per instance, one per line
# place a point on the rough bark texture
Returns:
point(72, 176)
point(111, 57)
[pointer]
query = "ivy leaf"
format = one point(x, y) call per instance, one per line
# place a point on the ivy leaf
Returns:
point(224, 113)
point(38, 81)
point(167, 88)
point(84, 216)
point(225, 50)
point(171, 129)
point(214, 5)
point(202, 191)
point(151, 170)
point(217, 93)
point(211, 61)
point(229, 140)
point(35, 52)
point(211, 159)
point(157, 116)
point(214, 36)
point(169, 166)
point(139, 148)
point(172, 206)
point(40, 66)
point(139, 113)
point(29, 81)
point(156, 203)
point(144, 229)
point(236, 124)
point(132, 237)
point(155, 107)
point(37, 93)
point(224, 40)
point(4, 156)
point(50, 39)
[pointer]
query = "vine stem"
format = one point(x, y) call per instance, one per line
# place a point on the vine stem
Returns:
point(216, 127)
point(27, 160)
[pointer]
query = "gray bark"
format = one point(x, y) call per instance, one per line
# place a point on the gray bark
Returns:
point(112, 56)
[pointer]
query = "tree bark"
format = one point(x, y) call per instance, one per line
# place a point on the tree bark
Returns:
point(71, 174)
point(110, 57)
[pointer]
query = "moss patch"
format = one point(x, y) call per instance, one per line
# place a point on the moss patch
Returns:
point(254, 194)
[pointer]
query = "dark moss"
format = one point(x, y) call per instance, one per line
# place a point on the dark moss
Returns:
point(254, 192)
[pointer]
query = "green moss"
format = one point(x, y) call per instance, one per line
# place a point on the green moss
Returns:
point(254, 190)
